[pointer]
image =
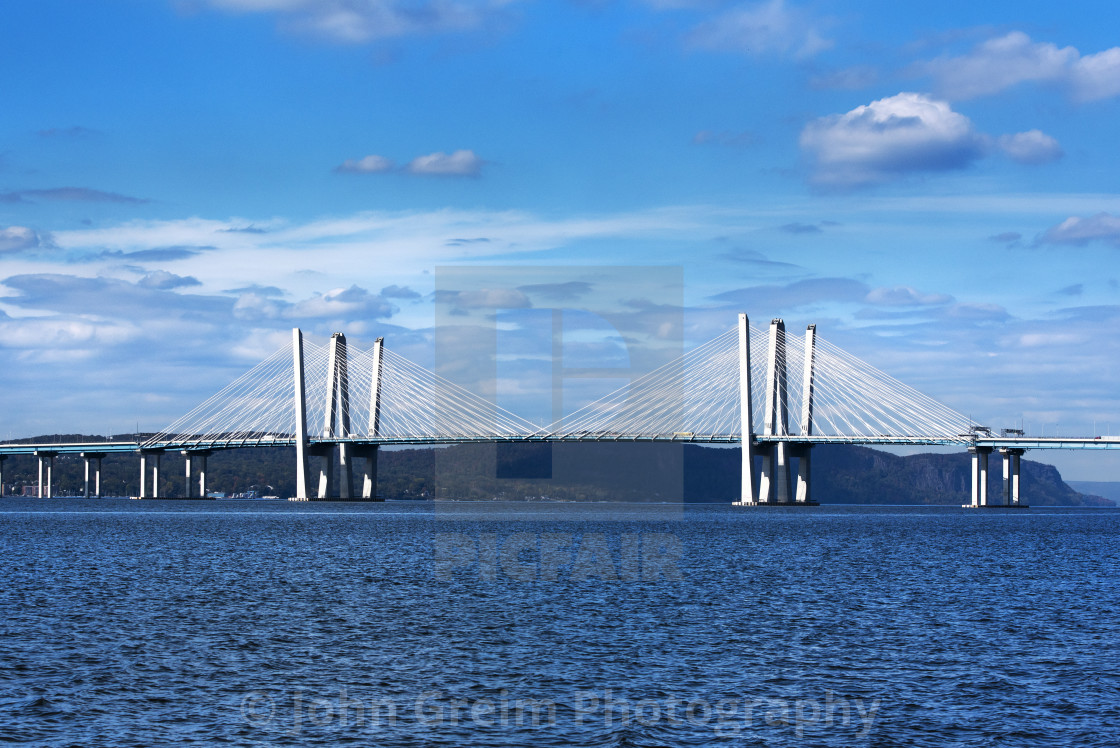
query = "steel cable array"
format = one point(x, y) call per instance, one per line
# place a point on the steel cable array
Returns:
point(693, 398)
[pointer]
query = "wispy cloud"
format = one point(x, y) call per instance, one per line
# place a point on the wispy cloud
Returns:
point(73, 194)
point(372, 164)
point(1031, 147)
point(360, 21)
point(762, 29)
point(1079, 231)
point(462, 163)
point(1013, 59)
point(797, 294)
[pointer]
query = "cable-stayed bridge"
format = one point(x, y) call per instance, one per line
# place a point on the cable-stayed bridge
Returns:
point(777, 397)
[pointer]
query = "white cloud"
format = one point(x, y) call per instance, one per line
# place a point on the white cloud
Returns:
point(1010, 60)
point(888, 139)
point(359, 21)
point(371, 164)
point(17, 238)
point(762, 29)
point(462, 163)
point(1031, 147)
point(1103, 227)
point(1097, 76)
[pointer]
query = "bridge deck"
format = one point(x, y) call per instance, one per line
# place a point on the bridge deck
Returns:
point(1021, 442)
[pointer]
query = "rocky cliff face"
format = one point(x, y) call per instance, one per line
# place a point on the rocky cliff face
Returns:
point(850, 474)
point(861, 475)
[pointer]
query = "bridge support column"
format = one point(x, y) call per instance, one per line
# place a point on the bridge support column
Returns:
point(1011, 464)
point(346, 472)
point(46, 461)
point(325, 453)
point(188, 489)
point(782, 482)
point(94, 459)
point(765, 488)
point(201, 457)
point(979, 475)
point(2, 458)
point(301, 415)
point(155, 454)
point(368, 454)
point(804, 475)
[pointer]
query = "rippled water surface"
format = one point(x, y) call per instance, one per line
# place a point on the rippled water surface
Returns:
point(274, 623)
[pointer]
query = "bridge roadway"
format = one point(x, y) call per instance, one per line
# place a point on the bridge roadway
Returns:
point(994, 442)
point(1011, 448)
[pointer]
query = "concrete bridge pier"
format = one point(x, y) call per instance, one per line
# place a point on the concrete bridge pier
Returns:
point(1011, 464)
point(46, 461)
point(325, 453)
point(774, 477)
point(155, 455)
point(192, 460)
point(2, 458)
point(804, 493)
point(93, 459)
point(979, 475)
point(368, 455)
point(346, 472)
point(765, 474)
point(781, 481)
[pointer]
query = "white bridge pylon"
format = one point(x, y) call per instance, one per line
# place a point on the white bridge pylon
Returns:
point(327, 398)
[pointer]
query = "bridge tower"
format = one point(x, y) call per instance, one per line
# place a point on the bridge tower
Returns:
point(746, 412)
point(804, 451)
point(369, 451)
point(774, 482)
point(336, 423)
point(301, 415)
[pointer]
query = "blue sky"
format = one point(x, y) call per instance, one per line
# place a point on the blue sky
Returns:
point(183, 181)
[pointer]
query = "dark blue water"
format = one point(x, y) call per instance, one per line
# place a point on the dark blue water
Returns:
point(254, 623)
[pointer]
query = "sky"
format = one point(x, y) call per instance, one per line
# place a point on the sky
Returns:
point(933, 185)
